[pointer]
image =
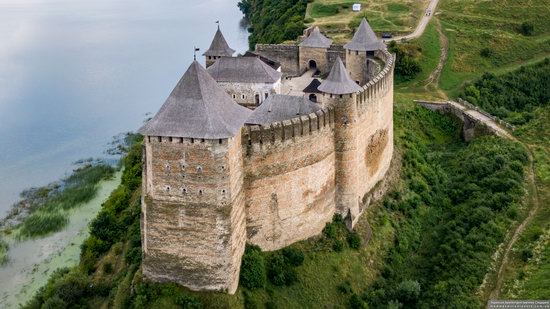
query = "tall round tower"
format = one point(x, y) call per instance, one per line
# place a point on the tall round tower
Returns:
point(340, 93)
point(359, 52)
point(193, 212)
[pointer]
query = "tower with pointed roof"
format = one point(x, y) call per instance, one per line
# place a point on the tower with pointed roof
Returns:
point(218, 48)
point(313, 53)
point(360, 51)
point(193, 213)
point(340, 93)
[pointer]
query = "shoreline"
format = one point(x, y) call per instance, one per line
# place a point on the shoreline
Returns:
point(32, 261)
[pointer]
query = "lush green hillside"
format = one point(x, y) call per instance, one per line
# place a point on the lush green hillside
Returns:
point(488, 36)
point(273, 21)
point(514, 96)
point(523, 97)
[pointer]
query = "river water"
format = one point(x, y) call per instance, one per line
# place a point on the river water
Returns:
point(73, 73)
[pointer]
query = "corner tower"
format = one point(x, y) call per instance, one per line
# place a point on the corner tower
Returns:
point(193, 213)
point(340, 93)
point(218, 48)
point(313, 52)
point(360, 50)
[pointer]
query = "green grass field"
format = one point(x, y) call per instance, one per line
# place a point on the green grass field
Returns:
point(336, 18)
point(472, 26)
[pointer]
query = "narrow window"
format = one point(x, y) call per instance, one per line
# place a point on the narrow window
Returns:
point(183, 190)
point(221, 141)
point(199, 168)
point(167, 189)
point(160, 139)
point(202, 140)
point(243, 96)
point(234, 96)
point(200, 192)
point(170, 139)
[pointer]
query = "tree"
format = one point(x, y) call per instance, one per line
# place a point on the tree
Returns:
point(527, 28)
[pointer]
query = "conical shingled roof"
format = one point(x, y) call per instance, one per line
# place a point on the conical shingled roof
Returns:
point(243, 70)
point(365, 39)
point(280, 107)
point(219, 47)
point(316, 40)
point(197, 108)
point(339, 81)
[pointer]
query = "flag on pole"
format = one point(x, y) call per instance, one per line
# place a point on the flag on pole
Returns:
point(195, 53)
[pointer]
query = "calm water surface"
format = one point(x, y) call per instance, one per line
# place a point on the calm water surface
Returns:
point(73, 73)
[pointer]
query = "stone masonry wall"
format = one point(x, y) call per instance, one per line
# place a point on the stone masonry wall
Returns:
point(286, 54)
point(289, 180)
point(375, 129)
point(319, 55)
point(193, 212)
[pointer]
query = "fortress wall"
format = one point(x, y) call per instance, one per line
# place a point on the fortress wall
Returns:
point(289, 179)
point(334, 52)
point(286, 54)
point(194, 212)
point(375, 128)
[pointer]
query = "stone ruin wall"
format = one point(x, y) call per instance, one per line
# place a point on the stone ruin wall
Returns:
point(289, 182)
point(286, 54)
point(193, 215)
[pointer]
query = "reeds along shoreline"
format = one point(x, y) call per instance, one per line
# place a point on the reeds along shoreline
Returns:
point(43, 210)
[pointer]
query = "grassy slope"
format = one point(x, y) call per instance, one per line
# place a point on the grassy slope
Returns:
point(528, 274)
point(336, 17)
point(472, 25)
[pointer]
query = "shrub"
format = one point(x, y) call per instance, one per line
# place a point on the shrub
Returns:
point(354, 240)
point(526, 254)
point(486, 52)
point(338, 245)
point(294, 257)
point(355, 302)
point(345, 288)
point(253, 274)
point(54, 303)
point(330, 230)
point(408, 292)
point(280, 272)
point(526, 28)
point(188, 302)
point(108, 268)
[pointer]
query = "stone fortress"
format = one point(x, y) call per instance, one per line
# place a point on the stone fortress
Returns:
point(255, 149)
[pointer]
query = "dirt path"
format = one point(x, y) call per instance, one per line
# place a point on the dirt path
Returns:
point(432, 82)
point(535, 202)
point(428, 13)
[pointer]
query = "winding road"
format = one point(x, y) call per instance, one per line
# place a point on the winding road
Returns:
point(428, 13)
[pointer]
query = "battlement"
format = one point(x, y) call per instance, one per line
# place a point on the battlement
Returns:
point(257, 136)
point(185, 140)
point(379, 86)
